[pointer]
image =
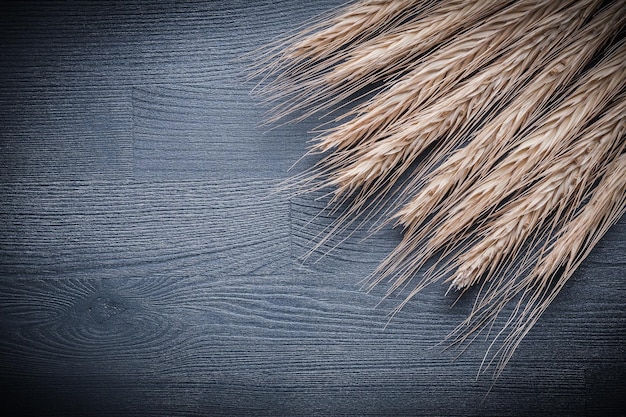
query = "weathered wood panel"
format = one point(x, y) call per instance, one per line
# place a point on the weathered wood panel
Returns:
point(147, 269)
point(55, 43)
point(281, 344)
point(130, 229)
point(59, 133)
point(209, 131)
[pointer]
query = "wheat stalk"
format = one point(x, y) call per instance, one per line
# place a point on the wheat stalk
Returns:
point(491, 142)
point(453, 115)
point(504, 77)
point(551, 133)
point(558, 188)
point(571, 246)
point(437, 75)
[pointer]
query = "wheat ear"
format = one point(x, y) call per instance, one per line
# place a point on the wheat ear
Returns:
point(539, 27)
point(453, 116)
point(392, 52)
point(572, 245)
point(557, 191)
point(298, 63)
point(558, 186)
point(381, 58)
point(490, 143)
point(551, 132)
point(556, 194)
point(437, 75)
point(323, 39)
point(357, 22)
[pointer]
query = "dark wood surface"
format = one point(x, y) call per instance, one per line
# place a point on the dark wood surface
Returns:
point(148, 268)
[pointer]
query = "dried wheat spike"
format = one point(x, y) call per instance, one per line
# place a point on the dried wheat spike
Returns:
point(572, 245)
point(438, 74)
point(452, 178)
point(492, 126)
point(550, 133)
point(380, 59)
point(552, 200)
point(296, 63)
point(558, 186)
point(452, 117)
point(332, 32)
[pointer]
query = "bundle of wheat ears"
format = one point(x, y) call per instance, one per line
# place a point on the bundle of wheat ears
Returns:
point(492, 131)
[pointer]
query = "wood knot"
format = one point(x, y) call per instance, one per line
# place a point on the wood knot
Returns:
point(103, 308)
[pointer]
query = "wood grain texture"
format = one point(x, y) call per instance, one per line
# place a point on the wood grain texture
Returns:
point(54, 43)
point(127, 228)
point(59, 133)
point(147, 268)
point(193, 131)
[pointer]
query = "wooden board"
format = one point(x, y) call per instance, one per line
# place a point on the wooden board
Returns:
point(149, 267)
